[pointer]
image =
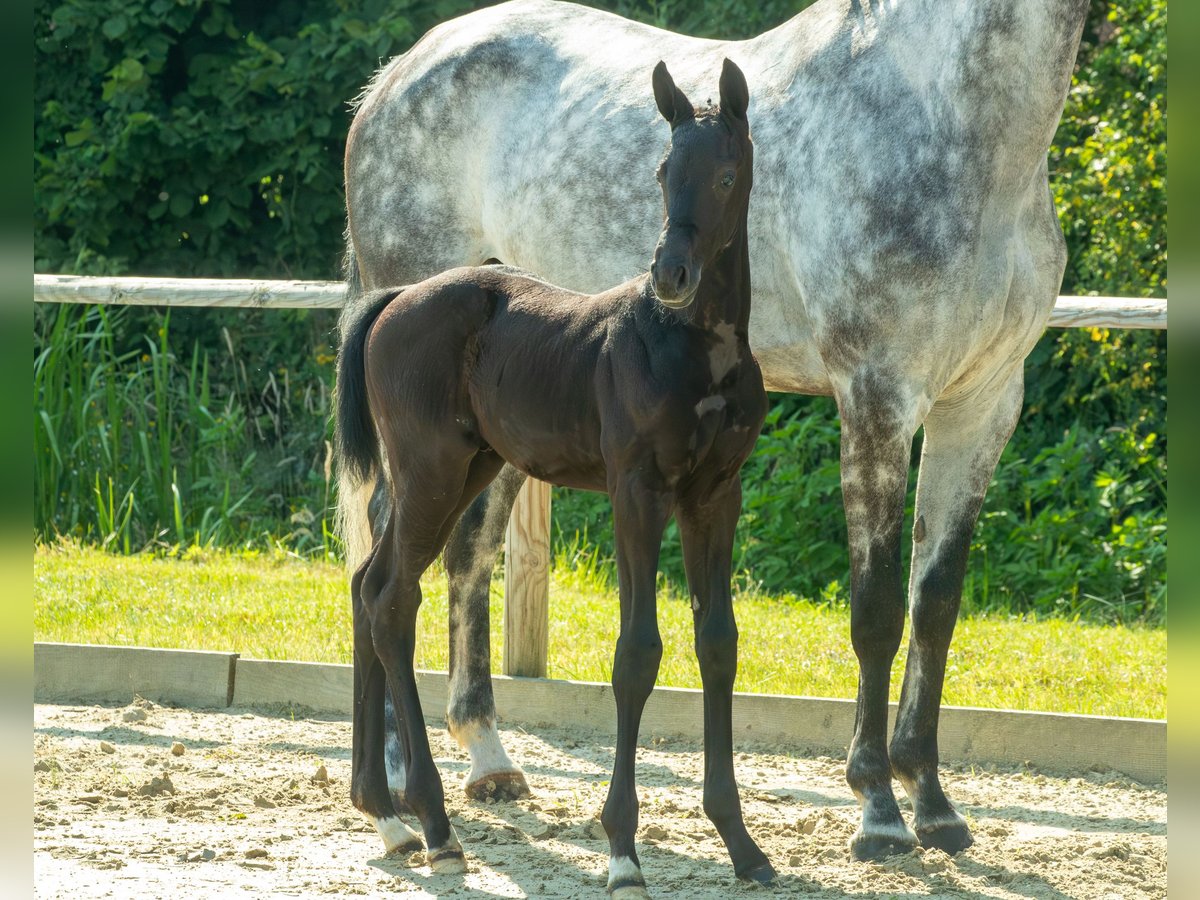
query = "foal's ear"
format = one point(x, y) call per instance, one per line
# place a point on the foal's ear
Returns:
point(674, 106)
point(735, 96)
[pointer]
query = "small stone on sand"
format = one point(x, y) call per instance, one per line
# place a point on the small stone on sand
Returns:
point(177, 749)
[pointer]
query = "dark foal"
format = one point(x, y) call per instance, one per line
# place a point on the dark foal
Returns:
point(647, 392)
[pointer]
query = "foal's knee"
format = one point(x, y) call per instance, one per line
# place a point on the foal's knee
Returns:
point(635, 666)
point(716, 651)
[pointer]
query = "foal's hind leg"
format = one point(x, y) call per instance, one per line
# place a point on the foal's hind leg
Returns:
point(706, 526)
point(962, 446)
point(430, 495)
point(470, 557)
point(369, 781)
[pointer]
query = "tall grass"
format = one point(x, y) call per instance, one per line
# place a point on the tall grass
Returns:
point(134, 448)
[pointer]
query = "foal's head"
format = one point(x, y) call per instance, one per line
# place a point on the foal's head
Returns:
point(705, 178)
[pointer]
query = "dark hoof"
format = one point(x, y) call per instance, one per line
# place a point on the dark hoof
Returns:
point(760, 874)
point(499, 786)
point(867, 846)
point(952, 837)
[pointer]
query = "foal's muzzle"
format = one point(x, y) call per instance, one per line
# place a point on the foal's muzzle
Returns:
point(675, 282)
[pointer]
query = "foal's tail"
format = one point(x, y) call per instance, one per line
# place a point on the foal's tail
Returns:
point(356, 444)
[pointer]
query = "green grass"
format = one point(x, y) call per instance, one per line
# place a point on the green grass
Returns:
point(278, 607)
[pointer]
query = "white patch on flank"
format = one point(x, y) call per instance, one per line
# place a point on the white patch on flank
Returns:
point(396, 834)
point(488, 756)
point(712, 403)
point(695, 602)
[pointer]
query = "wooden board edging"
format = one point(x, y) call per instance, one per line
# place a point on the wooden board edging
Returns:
point(1056, 742)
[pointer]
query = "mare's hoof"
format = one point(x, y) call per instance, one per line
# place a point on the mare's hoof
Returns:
point(448, 861)
point(762, 874)
point(949, 833)
point(879, 843)
point(499, 786)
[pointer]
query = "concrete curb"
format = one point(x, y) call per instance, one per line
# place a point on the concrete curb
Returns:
point(1049, 741)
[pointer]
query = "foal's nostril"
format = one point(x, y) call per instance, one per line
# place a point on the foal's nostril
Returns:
point(680, 278)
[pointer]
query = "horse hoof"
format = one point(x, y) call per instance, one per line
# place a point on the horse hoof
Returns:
point(950, 834)
point(873, 845)
point(448, 861)
point(499, 786)
point(761, 874)
point(398, 838)
point(629, 891)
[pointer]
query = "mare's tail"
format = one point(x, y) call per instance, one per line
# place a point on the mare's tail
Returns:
point(356, 445)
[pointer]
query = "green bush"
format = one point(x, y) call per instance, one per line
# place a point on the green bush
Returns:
point(204, 138)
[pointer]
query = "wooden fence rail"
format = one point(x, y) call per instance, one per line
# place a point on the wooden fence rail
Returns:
point(527, 543)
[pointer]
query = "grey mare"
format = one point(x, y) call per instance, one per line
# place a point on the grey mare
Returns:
point(906, 255)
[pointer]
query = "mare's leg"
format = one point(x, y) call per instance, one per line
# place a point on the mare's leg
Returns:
point(706, 526)
point(877, 428)
point(961, 448)
point(470, 557)
point(368, 781)
point(430, 495)
point(639, 518)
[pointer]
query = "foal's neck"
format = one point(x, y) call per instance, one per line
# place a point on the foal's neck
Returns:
point(723, 297)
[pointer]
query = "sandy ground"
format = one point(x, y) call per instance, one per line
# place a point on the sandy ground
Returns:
point(236, 809)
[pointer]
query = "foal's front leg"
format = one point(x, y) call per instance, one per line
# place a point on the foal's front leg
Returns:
point(639, 517)
point(706, 526)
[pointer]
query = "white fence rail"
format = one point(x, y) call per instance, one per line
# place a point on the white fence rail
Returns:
point(527, 543)
point(1069, 312)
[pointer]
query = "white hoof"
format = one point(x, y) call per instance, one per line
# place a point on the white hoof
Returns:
point(448, 861)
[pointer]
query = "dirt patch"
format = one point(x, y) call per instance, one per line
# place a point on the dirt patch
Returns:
point(260, 803)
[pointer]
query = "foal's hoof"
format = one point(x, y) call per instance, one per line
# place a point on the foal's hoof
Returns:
point(882, 842)
point(948, 832)
point(629, 891)
point(499, 786)
point(761, 874)
point(398, 838)
point(448, 861)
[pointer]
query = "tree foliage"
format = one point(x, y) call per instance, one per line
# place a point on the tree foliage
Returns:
point(204, 138)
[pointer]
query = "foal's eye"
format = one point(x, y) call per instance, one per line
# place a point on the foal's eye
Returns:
point(727, 181)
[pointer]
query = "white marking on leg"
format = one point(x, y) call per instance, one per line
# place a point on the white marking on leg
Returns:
point(624, 873)
point(488, 756)
point(396, 835)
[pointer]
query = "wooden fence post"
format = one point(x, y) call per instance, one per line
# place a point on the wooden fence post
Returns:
point(527, 582)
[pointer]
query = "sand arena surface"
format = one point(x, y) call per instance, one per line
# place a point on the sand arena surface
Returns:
point(240, 807)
